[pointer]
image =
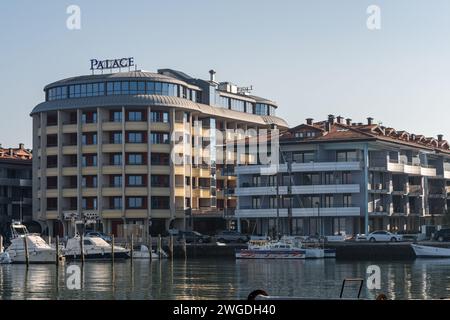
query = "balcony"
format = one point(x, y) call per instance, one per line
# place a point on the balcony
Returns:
point(326, 166)
point(437, 192)
point(378, 188)
point(299, 212)
point(413, 169)
point(322, 189)
point(256, 191)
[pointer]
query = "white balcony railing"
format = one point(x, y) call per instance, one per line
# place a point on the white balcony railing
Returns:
point(299, 212)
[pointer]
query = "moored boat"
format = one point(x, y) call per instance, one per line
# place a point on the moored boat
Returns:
point(143, 252)
point(271, 250)
point(94, 248)
point(5, 258)
point(38, 250)
point(430, 252)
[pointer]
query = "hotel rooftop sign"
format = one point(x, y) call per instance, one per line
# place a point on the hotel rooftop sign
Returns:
point(112, 64)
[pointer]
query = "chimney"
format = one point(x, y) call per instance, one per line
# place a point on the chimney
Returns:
point(309, 121)
point(212, 75)
point(328, 126)
point(348, 121)
point(369, 121)
point(339, 119)
point(331, 118)
point(21, 146)
point(440, 137)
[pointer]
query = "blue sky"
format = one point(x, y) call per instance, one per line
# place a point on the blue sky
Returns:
point(313, 57)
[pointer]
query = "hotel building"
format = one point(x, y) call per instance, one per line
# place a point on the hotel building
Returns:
point(340, 176)
point(15, 188)
point(103, 145)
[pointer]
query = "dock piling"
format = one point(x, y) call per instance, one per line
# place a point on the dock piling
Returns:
point(25, 243)
point(171, 246)
point(112, 249)
point(57, 251)
point(159, 246)
point(132, 248)
point(82, 249)
point(150, 247)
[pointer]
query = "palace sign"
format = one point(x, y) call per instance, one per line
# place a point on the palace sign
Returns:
point(112, 64)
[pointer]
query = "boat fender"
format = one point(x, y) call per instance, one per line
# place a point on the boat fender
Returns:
point(381, 296)
point(255, 293)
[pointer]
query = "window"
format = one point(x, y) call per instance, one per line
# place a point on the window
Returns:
point(135, 180)
point(89, 139)
point(116, 203)
point(135, 202)
point(116, 137)
point(159, 138)
point(116, 116)
point(161, 159)
point(116, 181)
point(89, 117)
point(135, 116)
point(89, 160)
point(303, 157)
point(160, 181)
point(89, 181)
point(159, 116)
point(135, 158)
point(160, 202)
point(328, 201)
point(261, 109)
point(346, 156)
point(256, 202)
point(116, 159)
point(135, 137)
point(347, 200)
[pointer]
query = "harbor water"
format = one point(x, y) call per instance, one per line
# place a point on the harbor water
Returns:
point(225, 279)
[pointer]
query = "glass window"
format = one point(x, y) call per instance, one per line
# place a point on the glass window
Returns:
point(117, 159)
point(158, 88)
point(135, 202)
point(117, 116)
point(150, 88)
point(117, 137)
point(125, 87)
point(117, 181)
point(135, 181)
point(133, 87)
point(141, 87)
point(135, 116)
point(117, 203)
point(135, 137)
point(116, 89)
point(135, 158)
point(159, 138)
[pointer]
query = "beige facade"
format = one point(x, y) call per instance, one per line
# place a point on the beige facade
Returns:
point(105, 160)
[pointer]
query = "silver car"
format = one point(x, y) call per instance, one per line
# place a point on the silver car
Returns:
point(231, 236)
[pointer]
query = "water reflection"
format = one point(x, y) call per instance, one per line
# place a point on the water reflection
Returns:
point(224, 279)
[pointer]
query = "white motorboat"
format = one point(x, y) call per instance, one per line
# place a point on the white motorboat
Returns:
point(430, 252)
point(5, 258)
point(142, 252)
point(38, 250)
point(312, 252)
point(271, 250)
point(94, 248)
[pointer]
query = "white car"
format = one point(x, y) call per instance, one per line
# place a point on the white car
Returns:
point(381, 236)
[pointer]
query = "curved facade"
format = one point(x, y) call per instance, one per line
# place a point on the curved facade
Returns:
point(103, 147)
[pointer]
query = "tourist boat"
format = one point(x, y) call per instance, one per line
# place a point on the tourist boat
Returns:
point(94, 248)
point(430, 252)
point(38, 250)
point(142, 252)
point(312, 252)
point(271, 250)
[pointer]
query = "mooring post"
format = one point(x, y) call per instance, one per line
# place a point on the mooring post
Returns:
point(57, 251)
point(112, 248)
point(82, 249)
point(159, 246)
point(171, 246)
point(184, 248)
point(25, 243)
point(132, 247)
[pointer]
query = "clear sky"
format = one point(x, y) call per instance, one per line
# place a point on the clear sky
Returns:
point(313, 57)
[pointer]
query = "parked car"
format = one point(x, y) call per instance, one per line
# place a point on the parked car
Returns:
point(232, 236)
point(380, 236)
point(193, 236)
point(98, 234)
point(442, 235)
